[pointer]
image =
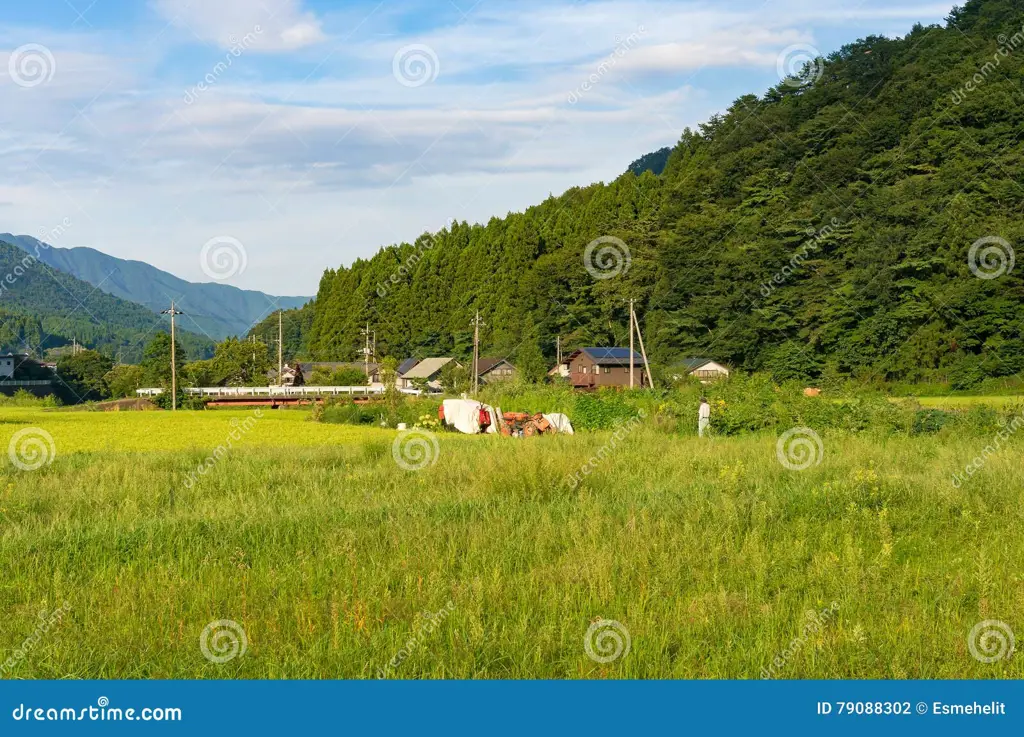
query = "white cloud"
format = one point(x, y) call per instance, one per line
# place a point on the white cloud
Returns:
point(281, 25)
point(312, 173)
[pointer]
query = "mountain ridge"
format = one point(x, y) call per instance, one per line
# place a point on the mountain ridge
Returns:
point(43, 308)
point(217, 310)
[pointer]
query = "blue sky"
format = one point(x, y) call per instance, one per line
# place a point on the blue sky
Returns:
point(313, 132)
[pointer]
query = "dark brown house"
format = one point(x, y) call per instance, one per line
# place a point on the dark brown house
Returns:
point(590, 368)
point(495, 369)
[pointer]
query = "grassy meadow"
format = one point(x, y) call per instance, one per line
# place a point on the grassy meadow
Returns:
point(960, 401)
point(492, 562)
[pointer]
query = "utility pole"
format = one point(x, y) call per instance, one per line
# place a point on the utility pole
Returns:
point(174, 364)
point(366, 351)
point(558, 350)
point(476, 352)
point(280, 348)
point(631, 384)
point(647, 366)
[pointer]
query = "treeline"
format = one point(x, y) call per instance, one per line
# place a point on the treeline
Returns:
point(825, 227)
point(91, 376)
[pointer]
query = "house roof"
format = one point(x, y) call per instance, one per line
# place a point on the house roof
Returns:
point(426, 368)
point(692, 364)
point(615, 356)
point(486, 364)
point(406, 365)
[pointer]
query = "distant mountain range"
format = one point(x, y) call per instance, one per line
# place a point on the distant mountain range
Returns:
point(42, 308)
point(216, 310)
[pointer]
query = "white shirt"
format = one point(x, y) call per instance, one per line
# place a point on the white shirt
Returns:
point(704, 412)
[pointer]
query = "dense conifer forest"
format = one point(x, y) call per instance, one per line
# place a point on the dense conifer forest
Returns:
point(859, 220)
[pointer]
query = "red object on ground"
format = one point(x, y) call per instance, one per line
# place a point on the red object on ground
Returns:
point(440, 413)
point(485, 418)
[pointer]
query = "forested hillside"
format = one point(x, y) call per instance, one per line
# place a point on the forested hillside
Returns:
point(826, 226)
point(653, 162)
point(43, 308)
point(295, 325)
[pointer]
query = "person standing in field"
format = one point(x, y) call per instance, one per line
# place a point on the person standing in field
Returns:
point(703, 416)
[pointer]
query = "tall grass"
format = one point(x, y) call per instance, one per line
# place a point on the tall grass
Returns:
point(709, 552)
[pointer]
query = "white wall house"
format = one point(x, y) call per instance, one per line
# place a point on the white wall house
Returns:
point(7, 361)
point(704, 369)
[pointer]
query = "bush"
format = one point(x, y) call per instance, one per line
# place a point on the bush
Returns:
point(25, 398)
point(347, 412)
point(928, 421)
point(185, 401)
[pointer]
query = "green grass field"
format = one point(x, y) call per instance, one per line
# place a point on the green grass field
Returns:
point(957, 402)
point(709, 553)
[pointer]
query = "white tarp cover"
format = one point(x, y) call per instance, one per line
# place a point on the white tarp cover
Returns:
point(464, 416)
point(560, 422)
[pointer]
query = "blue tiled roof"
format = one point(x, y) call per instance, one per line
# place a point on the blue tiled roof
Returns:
point(615, 356)
point(407, 365)
point(599, 353)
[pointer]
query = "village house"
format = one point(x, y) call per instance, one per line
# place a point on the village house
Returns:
point(7, 363)
point(494, 369)
point(559, 371)
point(704, 369)
point(291, 376)
point(406, 366)
point(427, 371)
point(591, 368)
